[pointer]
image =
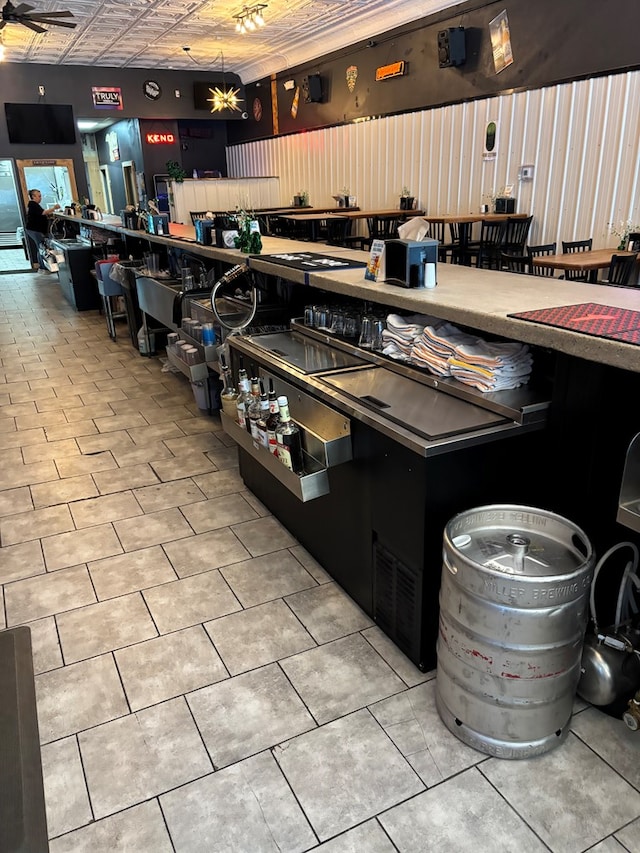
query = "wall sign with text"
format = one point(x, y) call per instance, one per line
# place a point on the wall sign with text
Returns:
point(160, 138)
point(107, 97)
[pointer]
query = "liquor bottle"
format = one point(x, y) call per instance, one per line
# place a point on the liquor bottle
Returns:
point(253, 409)
point(289, 439)
point(261, 424)
point(244, 395)
point(229, 395)
point(273, 420)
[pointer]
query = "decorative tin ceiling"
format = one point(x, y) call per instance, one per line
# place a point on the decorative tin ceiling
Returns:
point(153, 33)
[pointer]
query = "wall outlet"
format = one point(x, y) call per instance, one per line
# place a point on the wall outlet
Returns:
point(177, 93)
point(41, 91)
point(526, 173)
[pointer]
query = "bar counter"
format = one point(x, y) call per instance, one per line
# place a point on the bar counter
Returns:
point(476, 298)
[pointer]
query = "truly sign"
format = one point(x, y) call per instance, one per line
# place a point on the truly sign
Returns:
point(107, 97)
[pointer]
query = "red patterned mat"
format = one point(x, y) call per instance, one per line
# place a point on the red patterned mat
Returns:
point(602, 321)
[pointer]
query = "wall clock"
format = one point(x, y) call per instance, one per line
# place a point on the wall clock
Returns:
point(151, 90)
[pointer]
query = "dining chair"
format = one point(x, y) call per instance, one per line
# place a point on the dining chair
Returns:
point(445, 250)
point(516, 232)
point(514, 263)
point(620, 270)
point(539, 251)
point(338, 233)
point(197, 214)
point(576, 246)
point(488, 248)
point(381, 228)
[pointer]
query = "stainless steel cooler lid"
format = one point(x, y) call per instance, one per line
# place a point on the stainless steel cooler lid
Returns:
point(430, 413)
point(304, 354)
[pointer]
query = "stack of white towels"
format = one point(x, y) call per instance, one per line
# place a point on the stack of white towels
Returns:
point(402, 333)
point(445, 350)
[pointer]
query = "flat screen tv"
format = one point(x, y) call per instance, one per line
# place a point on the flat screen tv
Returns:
point(40, 124)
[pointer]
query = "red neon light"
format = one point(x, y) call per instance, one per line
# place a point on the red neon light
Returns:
point(161, 138)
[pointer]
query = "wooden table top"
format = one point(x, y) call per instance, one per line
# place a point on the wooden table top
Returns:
point(354, 213)
point(310, 217)
point(594, 260)
point(472, 217)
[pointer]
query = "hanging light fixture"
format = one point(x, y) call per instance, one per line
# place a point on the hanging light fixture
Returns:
point(224, 99)
point(250, 19)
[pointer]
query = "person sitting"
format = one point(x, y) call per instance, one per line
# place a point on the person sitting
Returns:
point(37, 225)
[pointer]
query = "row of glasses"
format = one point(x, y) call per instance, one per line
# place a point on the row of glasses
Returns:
point(344, 322)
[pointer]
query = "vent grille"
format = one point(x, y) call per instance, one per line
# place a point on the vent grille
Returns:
point(397, 595)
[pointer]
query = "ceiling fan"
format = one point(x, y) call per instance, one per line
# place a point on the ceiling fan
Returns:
point(23, 14)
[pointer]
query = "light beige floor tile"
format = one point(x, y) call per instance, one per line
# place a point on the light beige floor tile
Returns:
point(98, 628)
point(120, 422)
point(169, 666)
point(99, 398)
point(141, 453)
point(7, 425)
point(21, 561)
point(50, 450)
point(226, 457)
point(182, 466)
point(65, 791)
point(84, 413)
point(157, 432)
point(265, 578)
point(167, 495)
point(43, 595)
point(218, 512)
point(23, 438)
point(151, 751)
point(75, 466)
point(93, 543)
point(205, 813)
point(18, 410)
point(314, 568)
point(105, 441)
point(35, 524)
point(79, 428)
point(194, 425)
point(152, 529)
point(200, 442)
point(93, 511)
point(327, 612)
point(130, 572)
point(258, 636)
point(11, 457)
point(45, 645)
point(62, 491)
point(138, 829)
point(263, 536)
point(399, 662)
point(58, 402)
point(40, 419)
point(40, 398)
point(205, 551)
point(119, 480)
point(190, 602)
point(220, 483)
point(245, 715)
point(16, 500)
point(78, 697)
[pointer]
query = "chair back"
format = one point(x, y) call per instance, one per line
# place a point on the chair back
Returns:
point(539, 251)
point(620, 269)
point(338, 230)
point(577, 246)
point(436, 231)
point(491, 244)
point(382, 227)
point(515, 235)
point(514, 263)
point(197, 214)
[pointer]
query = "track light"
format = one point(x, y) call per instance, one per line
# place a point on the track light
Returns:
point(250, 19)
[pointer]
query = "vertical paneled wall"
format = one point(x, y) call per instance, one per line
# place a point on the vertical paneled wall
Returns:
point(582, 139)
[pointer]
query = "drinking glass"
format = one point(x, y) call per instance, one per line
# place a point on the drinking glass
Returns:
point(377, 327)
point(366, 332)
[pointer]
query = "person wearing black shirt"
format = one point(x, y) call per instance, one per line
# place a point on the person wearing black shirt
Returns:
point(37, 224)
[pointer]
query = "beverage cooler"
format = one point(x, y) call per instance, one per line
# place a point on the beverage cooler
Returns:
point(391, 453)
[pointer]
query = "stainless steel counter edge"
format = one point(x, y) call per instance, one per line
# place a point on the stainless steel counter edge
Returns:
point(479, 299)
point(356, 411)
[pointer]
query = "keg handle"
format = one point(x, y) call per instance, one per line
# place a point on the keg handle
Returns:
point(518, 546)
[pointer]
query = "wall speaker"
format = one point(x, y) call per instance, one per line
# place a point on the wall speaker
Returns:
point(312, 89)
point(451, 47)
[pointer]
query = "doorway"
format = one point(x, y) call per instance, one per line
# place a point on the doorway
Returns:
point(13, 250)
point(105, 181)
point(130, 183)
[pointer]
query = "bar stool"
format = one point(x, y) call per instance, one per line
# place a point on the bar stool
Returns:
point(108, 289)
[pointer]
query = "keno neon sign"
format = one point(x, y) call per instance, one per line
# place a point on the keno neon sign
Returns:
point(161, 138)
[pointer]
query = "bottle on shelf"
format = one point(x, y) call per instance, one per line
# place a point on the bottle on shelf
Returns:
point(289, 439)
point(272, 420)
point(253, 410)
point(261, 424)
point(244, 395)
point(229, 395)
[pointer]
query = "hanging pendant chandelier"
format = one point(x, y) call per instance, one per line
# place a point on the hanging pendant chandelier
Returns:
point(224, 98)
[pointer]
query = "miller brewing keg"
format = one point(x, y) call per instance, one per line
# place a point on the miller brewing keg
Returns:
point(514, 603)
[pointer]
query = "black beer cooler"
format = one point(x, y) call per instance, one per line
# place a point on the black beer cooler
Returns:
point(398, 458)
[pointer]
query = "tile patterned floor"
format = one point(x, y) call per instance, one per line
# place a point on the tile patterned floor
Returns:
point(202, 684)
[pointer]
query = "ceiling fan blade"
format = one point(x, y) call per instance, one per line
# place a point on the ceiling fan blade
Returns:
point(20, 9)
point(44, 19)
point(35, 27)
point(3, 24)
point(36, 16)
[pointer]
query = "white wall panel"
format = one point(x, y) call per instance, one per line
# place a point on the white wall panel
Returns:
point(582, 138)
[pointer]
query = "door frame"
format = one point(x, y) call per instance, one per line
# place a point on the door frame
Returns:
point(41, 161)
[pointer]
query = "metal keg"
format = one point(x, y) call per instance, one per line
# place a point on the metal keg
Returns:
point(514, 602)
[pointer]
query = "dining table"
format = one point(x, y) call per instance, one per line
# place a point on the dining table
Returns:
point(583, 262)
point(313, 221)
point(467, 220)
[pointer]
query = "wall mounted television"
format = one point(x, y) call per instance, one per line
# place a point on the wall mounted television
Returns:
point(40, 124)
